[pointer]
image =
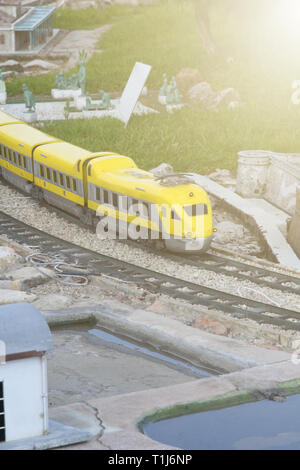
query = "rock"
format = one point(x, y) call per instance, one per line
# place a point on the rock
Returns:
point(229, 96)
point(203, 95)
point(8, 74)
point(27, 277)
point(213, 326)
point(8, 296)
point(223, 177)
point(8, 256)
point(52, 302)
point(187, 78)
point(162, 170)
point(38, 64)
point(5, 284)
point(157, 307)
point(228, 232)
point(12, 65)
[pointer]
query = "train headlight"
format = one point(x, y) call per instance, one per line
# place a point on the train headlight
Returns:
point(189, 235)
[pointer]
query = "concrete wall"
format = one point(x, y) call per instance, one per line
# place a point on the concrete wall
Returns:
point(282, 180)
point(294, 229)
point(8, 44)
point(23, 382)
point(271, 176)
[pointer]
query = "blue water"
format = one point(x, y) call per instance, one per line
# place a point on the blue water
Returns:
point(152, 354)
point(264, 425)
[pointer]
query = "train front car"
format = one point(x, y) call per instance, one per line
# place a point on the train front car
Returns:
point(171, 209)
point(186, 215)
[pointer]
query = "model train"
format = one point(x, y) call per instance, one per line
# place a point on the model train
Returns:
point(101, 187)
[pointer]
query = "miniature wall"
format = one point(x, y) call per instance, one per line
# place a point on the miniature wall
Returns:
point(24, 406)
point(6, 40)
point(274, 177)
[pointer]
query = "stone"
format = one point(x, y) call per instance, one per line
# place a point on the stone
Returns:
point(229, 96)
point(29, 116)
point(228, 232)
point(3, 97)
point(38, 64)
point(162, 100)
point(162, 170)
point(213, 326)
point(223, 177)
point(8, 296)
point(80, 102)
point(58, 94)
point(202, 94)
point(28, 277)
point(187, 78)
point(5, 284)
point(8, 256)
point(52, 302)
point(12, 65)
point(173, 107)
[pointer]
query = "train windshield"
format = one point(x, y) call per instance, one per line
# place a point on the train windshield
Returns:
point(196, 209)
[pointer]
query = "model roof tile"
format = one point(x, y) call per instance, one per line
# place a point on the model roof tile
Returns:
point(23, 329)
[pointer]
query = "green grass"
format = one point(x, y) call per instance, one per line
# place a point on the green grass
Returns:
point(89, 18)
point(265, 63)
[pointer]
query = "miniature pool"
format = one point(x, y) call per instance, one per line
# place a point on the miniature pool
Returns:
point(263, 425)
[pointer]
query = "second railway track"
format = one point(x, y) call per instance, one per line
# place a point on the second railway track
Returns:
point(152, 281)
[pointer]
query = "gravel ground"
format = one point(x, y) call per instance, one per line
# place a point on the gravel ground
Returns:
point(30, 212)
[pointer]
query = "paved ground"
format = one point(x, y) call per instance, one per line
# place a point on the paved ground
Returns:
point(80, 368)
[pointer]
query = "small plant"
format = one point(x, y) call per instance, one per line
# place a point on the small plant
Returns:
point(67, 110)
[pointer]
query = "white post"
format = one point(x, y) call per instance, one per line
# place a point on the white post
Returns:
point(252, 172)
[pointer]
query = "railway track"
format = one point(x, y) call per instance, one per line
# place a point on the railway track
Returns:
point(152, 281)
point(211, 262)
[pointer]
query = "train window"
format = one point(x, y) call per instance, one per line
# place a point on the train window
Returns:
point(74, 185)
point(105, 197)
point(2, 151)
point(19, 160)
point(98, 194)
point(123, 203)
point(24, 163)
point(196, 209)
point(7, 154)
point(54, 176)
point(48, 173)
point(115, 200)
point(68, 182)
point(61, 179)
point(145, 209)
point(90, 170)
point(42, 173)
point(174, 215)
point(14, 156)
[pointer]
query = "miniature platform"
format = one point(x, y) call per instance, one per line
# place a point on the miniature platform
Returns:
point(59, 435)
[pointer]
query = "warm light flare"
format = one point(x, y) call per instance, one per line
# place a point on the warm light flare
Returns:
point(289, 16)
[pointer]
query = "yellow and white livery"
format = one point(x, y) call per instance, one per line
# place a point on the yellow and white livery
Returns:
point(104, 187)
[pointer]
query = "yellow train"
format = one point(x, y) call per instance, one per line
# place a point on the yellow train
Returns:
point(105, 189)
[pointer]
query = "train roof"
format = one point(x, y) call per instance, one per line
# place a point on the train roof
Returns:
point(7, 119)
point(143, 185)
point(23, 138)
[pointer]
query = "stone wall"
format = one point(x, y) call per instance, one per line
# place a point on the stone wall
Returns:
point(271, 176)
point(6, 41)
point(294, 229)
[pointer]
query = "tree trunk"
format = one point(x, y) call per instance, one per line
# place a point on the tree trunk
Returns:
point(202, 18)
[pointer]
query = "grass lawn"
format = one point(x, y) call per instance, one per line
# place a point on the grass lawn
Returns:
point(264, 62)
